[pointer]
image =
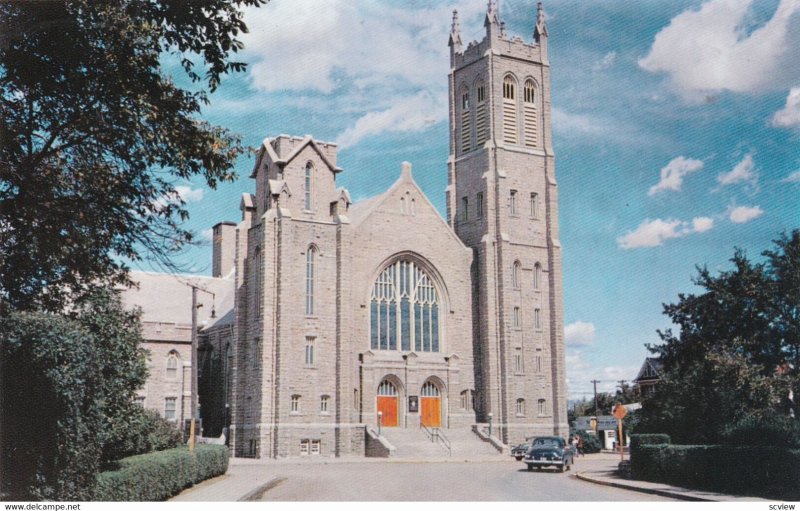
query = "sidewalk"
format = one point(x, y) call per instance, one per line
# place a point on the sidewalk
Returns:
point(244, 479)
point(601, 468)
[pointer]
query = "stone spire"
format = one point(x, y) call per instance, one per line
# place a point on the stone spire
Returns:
point(455, 34)
point(541, 29)
point(492, 22)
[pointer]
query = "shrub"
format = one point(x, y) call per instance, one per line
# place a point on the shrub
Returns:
point(774, 429)
point(142, 432)
point(768, 471)
point(160, 475)
point(648, 439)
point(591, 444)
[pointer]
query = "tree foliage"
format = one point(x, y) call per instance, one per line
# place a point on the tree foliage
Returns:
point(96, 136)
point(68, 386)
point(736, 358)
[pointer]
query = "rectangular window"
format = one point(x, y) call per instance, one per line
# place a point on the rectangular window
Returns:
point(518, 367)
point(169, 408)
point(305, 447)
point(534, 205)
point(520, 407)
point(542, 408)
point(512, 203)
point(516, 320)
point(323, 404)
point(480, 205)
point(538, 363)
point(310, 341)
point(295, 404)
point(316, 447)
point(537, 319)
point(465, 205)
point(140, 401)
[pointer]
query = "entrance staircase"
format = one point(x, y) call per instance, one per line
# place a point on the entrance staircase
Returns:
point(456, 443)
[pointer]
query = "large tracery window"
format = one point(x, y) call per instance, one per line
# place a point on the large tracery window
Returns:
point(404, 312)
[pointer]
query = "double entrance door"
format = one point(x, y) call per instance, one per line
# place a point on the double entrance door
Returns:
point(389, 405)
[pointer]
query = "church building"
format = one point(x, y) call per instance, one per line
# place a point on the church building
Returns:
point(351, 319)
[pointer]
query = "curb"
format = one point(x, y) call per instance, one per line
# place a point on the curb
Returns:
point(259, 491)
point(651, 491)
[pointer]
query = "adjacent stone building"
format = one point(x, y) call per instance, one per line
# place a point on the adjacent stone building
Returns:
point(346, 314)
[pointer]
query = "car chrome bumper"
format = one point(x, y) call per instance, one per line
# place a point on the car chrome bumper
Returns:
point(544, 462)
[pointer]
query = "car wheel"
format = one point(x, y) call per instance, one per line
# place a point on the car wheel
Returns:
point(519, 458)
point(561, 467)
point(530, 468)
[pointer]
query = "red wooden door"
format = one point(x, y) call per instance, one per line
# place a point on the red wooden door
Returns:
point(431, 412)
point(388, 406)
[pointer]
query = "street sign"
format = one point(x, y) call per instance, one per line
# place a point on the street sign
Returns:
point(620, 411)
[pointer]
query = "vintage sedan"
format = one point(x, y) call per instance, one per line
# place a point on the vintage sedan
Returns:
point(519, 451)
point(549, 451)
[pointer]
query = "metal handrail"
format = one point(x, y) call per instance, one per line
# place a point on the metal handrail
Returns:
point(444, 441)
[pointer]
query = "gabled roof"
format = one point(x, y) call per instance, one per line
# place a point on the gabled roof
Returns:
point(266, 147)
point(650, 370)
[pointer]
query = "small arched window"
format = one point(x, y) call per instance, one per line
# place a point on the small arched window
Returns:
point(481, 120)
point(530, 119)
point(172, 365)
point(311, 263)
point(537, 276)
point(309, 185)
point(542, 407)
point(520, 406)
point(387, 388)
point(466, 128)
point(430, 390)
point(515, 274)
point(508, 87)
point(259, 275)
point(509, 110)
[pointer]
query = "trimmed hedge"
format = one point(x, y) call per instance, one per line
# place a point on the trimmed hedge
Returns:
point(769, 471)
point(639, 440)
point(160, 475)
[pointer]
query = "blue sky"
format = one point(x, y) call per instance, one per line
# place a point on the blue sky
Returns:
point(676, 127)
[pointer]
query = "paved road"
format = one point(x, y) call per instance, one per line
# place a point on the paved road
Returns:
point(473, 481)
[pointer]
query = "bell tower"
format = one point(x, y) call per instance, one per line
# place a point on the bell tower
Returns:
point(502, 201)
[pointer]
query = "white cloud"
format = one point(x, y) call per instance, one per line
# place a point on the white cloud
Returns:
point(579, 333)
point(381, 60)
point(182, 192)
point(653, 233)
point(672, 175)
point(744, 214)
point(789, 116)
point(743, 172)
point(414, 113)
point(207, 234)
point(704, 50)
point(606, 62)
point(702, 224)
point(794, 177)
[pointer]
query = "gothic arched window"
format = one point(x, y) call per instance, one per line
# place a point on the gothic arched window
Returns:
point(529, 114)
point(481, 121)
point(515, 274)
point(311, 263)
point(466, 128)
point(172, 365)
point(509, 110)
point(537, 275)
point(309, 184)
point(404, 310)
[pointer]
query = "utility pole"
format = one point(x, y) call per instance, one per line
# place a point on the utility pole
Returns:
point(194, 369)
point(595, 382)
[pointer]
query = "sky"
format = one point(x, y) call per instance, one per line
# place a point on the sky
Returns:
point(676, 128)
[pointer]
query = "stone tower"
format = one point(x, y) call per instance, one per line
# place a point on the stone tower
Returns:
point(502, 202)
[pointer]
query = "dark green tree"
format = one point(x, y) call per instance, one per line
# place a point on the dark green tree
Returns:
point(736, 357)
point(96, 136)
point(67, 385)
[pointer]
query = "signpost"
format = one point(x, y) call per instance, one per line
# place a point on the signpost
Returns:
point(620, 412)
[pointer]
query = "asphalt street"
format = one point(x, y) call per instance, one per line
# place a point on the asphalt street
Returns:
point(426, 481)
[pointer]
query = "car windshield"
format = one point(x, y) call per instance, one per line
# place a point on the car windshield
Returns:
point(547, 442)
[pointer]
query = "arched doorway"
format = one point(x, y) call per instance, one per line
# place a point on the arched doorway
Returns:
point(388, 404)
point(431, 405)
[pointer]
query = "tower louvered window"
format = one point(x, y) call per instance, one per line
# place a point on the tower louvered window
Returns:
point(530, 115)
point(481, 121)
point(404, 313)
point(509, 111)
point(466, 128)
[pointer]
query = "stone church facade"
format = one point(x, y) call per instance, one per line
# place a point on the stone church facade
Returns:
point(349, 314)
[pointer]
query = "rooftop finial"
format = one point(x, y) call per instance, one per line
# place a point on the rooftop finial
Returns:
point(455, 34)
point(541, 29)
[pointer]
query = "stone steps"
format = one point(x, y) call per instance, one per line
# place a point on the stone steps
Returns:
point(414, 443)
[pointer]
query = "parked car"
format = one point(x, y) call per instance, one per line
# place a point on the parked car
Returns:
point(549, 451)
point(520, 450)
